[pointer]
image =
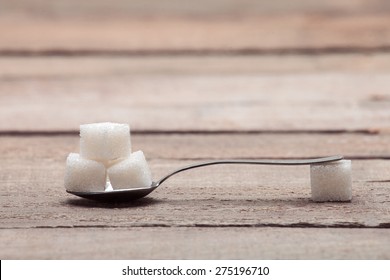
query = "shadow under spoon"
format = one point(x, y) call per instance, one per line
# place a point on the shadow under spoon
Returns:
point(125, 195)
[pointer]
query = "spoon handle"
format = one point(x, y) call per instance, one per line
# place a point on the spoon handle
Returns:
point(263, 162)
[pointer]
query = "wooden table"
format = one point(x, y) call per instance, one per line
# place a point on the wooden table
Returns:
point(197, 81)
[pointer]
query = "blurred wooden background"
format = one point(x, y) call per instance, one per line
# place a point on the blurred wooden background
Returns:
point(197, 80)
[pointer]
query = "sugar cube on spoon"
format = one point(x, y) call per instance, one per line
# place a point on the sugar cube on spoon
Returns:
point(105, 141)
point(132, 172)
point(84, 174)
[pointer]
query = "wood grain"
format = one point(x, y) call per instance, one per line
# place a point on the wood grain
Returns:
point(33, 196)
point(319, 101)
point(79, 67)
point(195, 243)
point(211, 80)
point(71, 27)
point(103, 8)
point(220, 197)
point(212, 146)
point(170, 34)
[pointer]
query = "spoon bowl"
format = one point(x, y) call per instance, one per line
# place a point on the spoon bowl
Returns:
point(121, 195)
point(126, 195)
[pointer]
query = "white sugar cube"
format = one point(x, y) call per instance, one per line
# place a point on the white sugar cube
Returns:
point(132, 172)
point(331, 181)
point(84, 174)
point(105, 141)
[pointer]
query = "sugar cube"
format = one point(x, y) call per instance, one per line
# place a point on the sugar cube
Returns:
point(331, 181)
point(84, 174)
point(132, 172)
point(105, 141)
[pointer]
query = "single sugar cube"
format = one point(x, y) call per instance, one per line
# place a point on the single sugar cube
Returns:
point(132, 172)
point(84, 174)
point(105, 141)
point(331, 181)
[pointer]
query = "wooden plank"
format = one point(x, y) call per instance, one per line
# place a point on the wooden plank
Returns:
point(132, 84)
point(213, 146)
point(32, 195)
point(57, 67)
point(205, 243)
point(68, 26)
point(170, 34)
point(102, 8)
point(219, 197)
point(209, 102)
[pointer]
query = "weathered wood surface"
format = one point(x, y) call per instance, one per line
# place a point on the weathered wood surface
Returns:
point(178, 146)
point(161, 101)
point(100, 8)
point(256, 216)
point(228, 196)
point(278, 81)
point(73, 27)
point(170, 35)
point(33, 195)
point(195, 243)
point(22, 69)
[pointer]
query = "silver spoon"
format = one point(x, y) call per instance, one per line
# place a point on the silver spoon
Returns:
point(122, 195)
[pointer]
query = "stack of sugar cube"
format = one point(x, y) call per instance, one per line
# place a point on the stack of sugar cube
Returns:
point(331, 181)
point(105, 161)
